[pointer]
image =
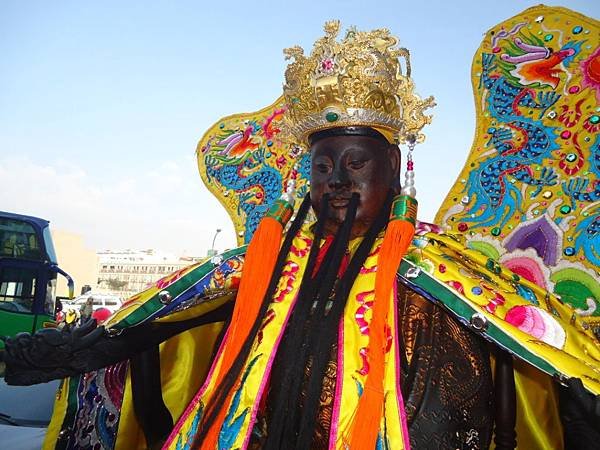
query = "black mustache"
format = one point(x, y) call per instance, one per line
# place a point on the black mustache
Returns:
point(341, 196)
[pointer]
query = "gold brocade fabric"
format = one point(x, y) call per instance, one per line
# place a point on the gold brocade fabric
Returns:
point(325, 413)
point(446, 378)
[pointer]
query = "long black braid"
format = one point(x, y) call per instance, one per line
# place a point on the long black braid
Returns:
point(324, 333)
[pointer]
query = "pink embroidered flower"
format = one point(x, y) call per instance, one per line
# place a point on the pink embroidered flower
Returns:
point(529, 265)
point(537, 323)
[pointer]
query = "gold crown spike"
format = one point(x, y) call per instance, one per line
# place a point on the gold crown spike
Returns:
point(357, 81)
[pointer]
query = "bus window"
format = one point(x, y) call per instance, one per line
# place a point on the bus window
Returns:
point(17, 289)
point(18, 239)
point(50, 252)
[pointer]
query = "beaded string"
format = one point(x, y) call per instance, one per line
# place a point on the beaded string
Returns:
point(408, 188)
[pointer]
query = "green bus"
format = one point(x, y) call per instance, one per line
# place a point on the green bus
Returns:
point(28, 273)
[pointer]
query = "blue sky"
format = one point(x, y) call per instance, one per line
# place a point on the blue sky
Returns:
point(102, 103)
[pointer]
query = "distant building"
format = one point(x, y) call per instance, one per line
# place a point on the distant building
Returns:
point(124, 273)
point(120, 273)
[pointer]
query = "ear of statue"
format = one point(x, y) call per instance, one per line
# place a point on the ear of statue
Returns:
point(395, 159)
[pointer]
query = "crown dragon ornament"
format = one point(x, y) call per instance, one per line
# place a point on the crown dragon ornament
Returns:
point(358, 81)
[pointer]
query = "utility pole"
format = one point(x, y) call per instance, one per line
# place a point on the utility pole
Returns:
point(212, 251)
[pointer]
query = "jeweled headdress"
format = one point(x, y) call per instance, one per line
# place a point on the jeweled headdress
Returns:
point(357, 81)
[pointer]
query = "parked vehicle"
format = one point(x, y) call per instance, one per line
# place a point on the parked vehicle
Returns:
point(28, 272)
point(110, 302)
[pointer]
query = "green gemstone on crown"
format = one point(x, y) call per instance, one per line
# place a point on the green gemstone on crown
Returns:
point(332, 117)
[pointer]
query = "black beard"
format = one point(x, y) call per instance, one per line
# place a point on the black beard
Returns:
point(311, 334)
point(287, 404)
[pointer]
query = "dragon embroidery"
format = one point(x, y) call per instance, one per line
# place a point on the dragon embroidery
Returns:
point(519, 141)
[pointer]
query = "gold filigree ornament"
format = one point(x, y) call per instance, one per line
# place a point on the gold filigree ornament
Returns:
point(357, 81)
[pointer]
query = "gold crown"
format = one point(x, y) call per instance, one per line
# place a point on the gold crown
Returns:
point(358, 81)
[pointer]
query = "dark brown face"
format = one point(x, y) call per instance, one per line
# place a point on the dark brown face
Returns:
point(343, 165)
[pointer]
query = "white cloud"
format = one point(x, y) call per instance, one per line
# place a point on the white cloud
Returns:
point(167, 208)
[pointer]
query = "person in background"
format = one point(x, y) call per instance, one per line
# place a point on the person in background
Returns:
point(86, 310)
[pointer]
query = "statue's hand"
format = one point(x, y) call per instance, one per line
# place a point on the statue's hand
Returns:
point(588, 404)
point(580, 413)
point(49, 353)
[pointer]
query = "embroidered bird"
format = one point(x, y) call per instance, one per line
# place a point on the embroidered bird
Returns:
point(537, 64)
point(238, 143)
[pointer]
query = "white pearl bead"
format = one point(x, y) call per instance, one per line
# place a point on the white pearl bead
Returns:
point(409, 190)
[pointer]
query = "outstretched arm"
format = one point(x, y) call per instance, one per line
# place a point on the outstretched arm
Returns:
point(51, 354)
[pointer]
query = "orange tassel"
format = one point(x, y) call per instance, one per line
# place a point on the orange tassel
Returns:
point(259, 264)
point(397, 238)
